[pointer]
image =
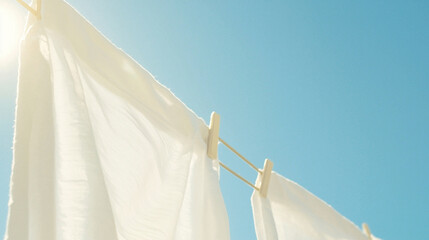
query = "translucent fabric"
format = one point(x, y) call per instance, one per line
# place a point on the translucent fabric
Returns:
point(102, 151)
point(291, 212)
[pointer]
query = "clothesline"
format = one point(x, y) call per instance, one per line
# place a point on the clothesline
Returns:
point(244, 159)
point(238, 175)
point(241, 156)
point(70, 136)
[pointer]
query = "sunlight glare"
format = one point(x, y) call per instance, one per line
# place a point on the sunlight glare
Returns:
point(10, 32)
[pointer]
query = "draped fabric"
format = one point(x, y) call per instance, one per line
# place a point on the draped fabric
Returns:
point(102, 151)
point(291, 212)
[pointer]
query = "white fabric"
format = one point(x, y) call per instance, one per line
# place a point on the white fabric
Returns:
point(102, 151)
point(291, 212)
point(374, 237)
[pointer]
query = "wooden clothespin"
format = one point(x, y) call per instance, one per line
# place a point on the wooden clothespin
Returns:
point(213, 140)
point(212, 152)
point(266, 176)
point(367, 230)
point(36, 12)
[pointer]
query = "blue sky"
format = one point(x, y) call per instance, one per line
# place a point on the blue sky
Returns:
point(336, 93)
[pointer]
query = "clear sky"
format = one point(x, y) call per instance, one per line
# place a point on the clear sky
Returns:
point(336, 93)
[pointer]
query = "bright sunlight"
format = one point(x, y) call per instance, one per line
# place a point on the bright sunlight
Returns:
point(11, 27)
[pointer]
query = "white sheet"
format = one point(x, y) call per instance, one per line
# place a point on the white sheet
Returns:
point(101, 149)
point(291, 212)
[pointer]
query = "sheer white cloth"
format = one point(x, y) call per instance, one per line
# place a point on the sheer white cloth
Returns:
point(291, 212)
point(101, 149)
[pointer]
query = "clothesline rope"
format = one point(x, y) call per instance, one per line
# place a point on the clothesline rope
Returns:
point(238, 175)
point(241, 156)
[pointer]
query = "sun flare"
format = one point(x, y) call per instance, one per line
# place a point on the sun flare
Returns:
point(11, 26)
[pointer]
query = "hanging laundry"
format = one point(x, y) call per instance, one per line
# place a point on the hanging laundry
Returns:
point(291, 212)
point(102, 151)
